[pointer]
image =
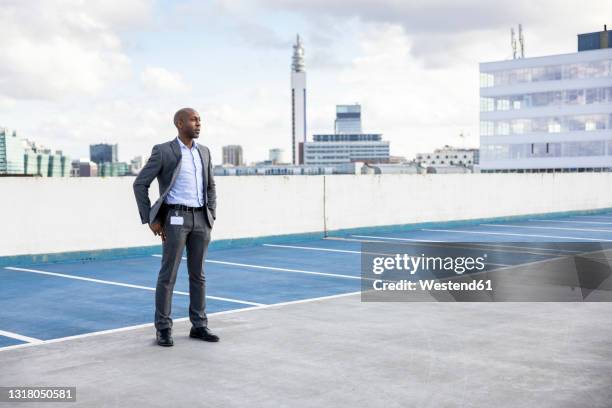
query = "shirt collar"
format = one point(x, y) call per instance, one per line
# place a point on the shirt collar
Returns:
point(182, 145)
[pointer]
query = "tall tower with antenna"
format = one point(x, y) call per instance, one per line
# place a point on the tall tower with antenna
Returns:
point(298, 100)
point(513, 42)
point(521, 40)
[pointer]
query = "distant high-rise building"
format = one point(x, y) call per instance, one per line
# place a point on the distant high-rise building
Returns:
point(11, 152)
point(277, 156)
point(298, 100)
point(102, 152)
point(348, 119)
point(547, 114)
point(84, 168)
point(232, 155)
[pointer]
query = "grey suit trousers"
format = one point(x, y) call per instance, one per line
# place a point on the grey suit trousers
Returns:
point(194, 235)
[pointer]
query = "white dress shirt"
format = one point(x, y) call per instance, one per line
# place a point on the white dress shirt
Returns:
point(188, 188)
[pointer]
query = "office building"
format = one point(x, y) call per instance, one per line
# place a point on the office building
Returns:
point(298, 101)
point(337, 149)
point(135, 165)
point(84, 168)
point(103, 152)
point(595, 41)
point(43, 162)
point(348, 144)
point(269, 169)
point(448, 156)
point(547, 114)
point(11, 153)
point(113, 169)
point(276, 156)
point(232, 155)
point(55, 164)
point(348, 119)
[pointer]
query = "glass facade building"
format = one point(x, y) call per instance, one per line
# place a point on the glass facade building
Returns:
point(11, 152)
point(59, 165)
point(348, 119)
point(116, 169)
point(551, 113)
point(100, 153)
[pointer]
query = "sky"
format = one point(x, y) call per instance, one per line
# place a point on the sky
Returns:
point(77, 72)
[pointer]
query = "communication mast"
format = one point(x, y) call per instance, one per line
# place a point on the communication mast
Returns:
point(513, 42)
point(521, 40)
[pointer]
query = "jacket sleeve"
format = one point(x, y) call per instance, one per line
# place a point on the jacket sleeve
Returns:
point(143, 181)
point(211, 191)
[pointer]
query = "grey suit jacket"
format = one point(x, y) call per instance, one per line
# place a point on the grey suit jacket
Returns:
point(165, 164)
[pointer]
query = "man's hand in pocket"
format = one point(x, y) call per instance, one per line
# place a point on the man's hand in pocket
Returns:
point(157, 229)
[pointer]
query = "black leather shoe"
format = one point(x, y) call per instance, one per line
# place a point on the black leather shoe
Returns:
point(203, 333)
point(164, 338)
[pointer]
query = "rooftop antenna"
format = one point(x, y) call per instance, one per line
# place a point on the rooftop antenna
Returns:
point(513, 42)
point(522, 40)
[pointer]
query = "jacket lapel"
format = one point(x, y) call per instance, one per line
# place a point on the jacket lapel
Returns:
point(176, 149)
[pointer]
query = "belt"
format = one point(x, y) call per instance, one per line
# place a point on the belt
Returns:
point(184, 207)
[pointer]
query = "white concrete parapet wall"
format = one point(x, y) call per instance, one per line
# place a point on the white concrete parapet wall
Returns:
point(357, 201)
point(73, 214)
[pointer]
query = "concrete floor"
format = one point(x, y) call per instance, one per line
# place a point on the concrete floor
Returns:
point(343, 353)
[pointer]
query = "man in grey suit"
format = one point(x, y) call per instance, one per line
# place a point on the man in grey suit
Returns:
point(183, 216)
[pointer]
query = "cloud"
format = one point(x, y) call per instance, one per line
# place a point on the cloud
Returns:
point(160, 79)
point(54, 49)
point(441, 30)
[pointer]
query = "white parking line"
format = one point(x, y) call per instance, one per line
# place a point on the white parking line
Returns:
point(575, 222)
point(145, 325)
point(347, 251)
point(273, 268)
point(539, 227)
point(16, 336)
point(398, 239)
point(519, 235)
point(377, 253)
point(127, 285)
point(312, 248)
point(497, 248)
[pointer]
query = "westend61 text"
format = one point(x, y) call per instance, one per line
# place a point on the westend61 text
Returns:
point(431, 284)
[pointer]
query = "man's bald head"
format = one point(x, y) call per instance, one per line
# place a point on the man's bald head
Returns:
point(182, 114)
point(187, 121)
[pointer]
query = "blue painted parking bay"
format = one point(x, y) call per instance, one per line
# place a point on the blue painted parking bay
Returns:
point(45, 301)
